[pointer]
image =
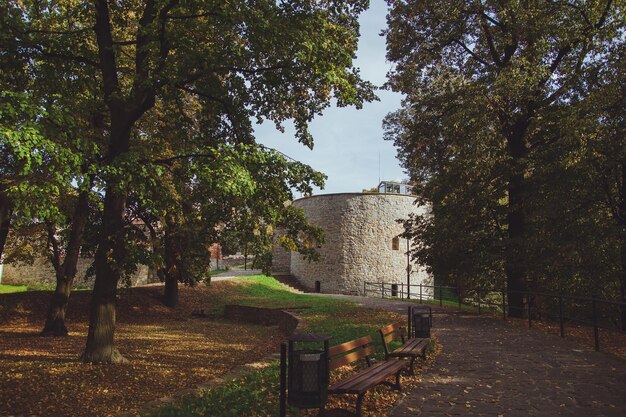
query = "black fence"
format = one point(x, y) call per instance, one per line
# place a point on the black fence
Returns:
point(592, 312)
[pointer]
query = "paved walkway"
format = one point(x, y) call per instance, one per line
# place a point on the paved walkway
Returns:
point(235, 273)
point(488, 368)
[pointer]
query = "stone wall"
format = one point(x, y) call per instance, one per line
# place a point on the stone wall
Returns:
point(41, 272)
point(281, 257)
point(286, 321)
point(359, 229)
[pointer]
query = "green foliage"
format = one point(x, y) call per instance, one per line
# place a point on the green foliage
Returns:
point(36, 165)
point(506, 136)
point(164, 94)
point(171, 102)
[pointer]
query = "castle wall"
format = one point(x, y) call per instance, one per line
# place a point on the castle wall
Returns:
point(281, 259)
point(41, 272)
point(360, 229)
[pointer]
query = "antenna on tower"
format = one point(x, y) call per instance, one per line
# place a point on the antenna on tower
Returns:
point(379, 167)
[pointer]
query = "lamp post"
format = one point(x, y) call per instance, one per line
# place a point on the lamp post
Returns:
point(408, 270)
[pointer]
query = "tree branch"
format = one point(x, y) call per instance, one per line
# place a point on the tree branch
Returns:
point(54, 32)
point(605, 14)
point(53, 244)
point(469, 51)
point(169, 161)
point(223, 102)
point(193, 16)
point(165, 46)
point(105, 49)
point(193, 77)
point(492, 47)
point(254, 70)
point(57, 55)
point(141, 52)
point(125, 43)
point(492, 20)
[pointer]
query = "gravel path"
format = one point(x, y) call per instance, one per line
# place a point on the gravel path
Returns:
point(488, 368)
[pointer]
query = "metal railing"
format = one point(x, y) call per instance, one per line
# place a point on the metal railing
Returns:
point(592, 312)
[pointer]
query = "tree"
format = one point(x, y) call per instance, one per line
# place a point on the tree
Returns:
point(64, 255)
point(600, 131)
point(266, 60)
point(36, 165)
point(241, 193)
point(519, 62)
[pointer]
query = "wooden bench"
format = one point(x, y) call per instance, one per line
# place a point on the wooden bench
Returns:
point(375, 374)
point(411, 348)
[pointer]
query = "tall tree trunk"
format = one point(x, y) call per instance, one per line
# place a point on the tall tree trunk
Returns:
point(109, 259)
point(515, 266)
point(171, 290)
point(172, 261)
point(622, 281)
point(55, 319)
point(124, 112)
point(621, 219)
point(100, 346)
point(5, 222)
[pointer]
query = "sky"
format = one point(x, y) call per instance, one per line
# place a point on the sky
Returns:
point(348, 141)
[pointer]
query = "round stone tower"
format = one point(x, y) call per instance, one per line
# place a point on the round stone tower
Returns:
point(362, 242)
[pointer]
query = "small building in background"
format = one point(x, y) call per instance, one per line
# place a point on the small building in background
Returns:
point(393, 187)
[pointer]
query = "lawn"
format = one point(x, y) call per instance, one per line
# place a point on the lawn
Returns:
point(169, 351)
point(9, 289)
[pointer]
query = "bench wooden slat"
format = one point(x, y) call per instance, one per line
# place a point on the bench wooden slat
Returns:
point(367, 378)
point(348, 346)
point(388, 338)
point(357, 378)
point(413, 346)
point(382, 373)
point(351, 357)
point(391, 328)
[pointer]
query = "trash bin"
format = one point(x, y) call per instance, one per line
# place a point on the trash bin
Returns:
point(308, 372)
point(421, 325)
point(421, 321)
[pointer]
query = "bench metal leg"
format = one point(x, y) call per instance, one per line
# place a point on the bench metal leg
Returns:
point(359, 404)
point(398, 386)
point(410, 369)
point(395, 386)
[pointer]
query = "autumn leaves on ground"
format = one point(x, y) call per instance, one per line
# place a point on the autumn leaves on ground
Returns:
point(168, 349)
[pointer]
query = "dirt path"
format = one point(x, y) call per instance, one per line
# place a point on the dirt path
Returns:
point(488, 368)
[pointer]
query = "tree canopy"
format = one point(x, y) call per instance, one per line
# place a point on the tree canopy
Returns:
point(171, 88)
point(492, 132)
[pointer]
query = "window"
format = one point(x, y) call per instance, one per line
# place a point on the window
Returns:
point(395, 243)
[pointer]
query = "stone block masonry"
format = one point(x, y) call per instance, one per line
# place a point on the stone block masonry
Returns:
point(362, 242)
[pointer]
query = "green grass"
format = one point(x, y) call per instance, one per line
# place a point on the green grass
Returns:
point(37, 287)
point(8, 289)
point(257, 393)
